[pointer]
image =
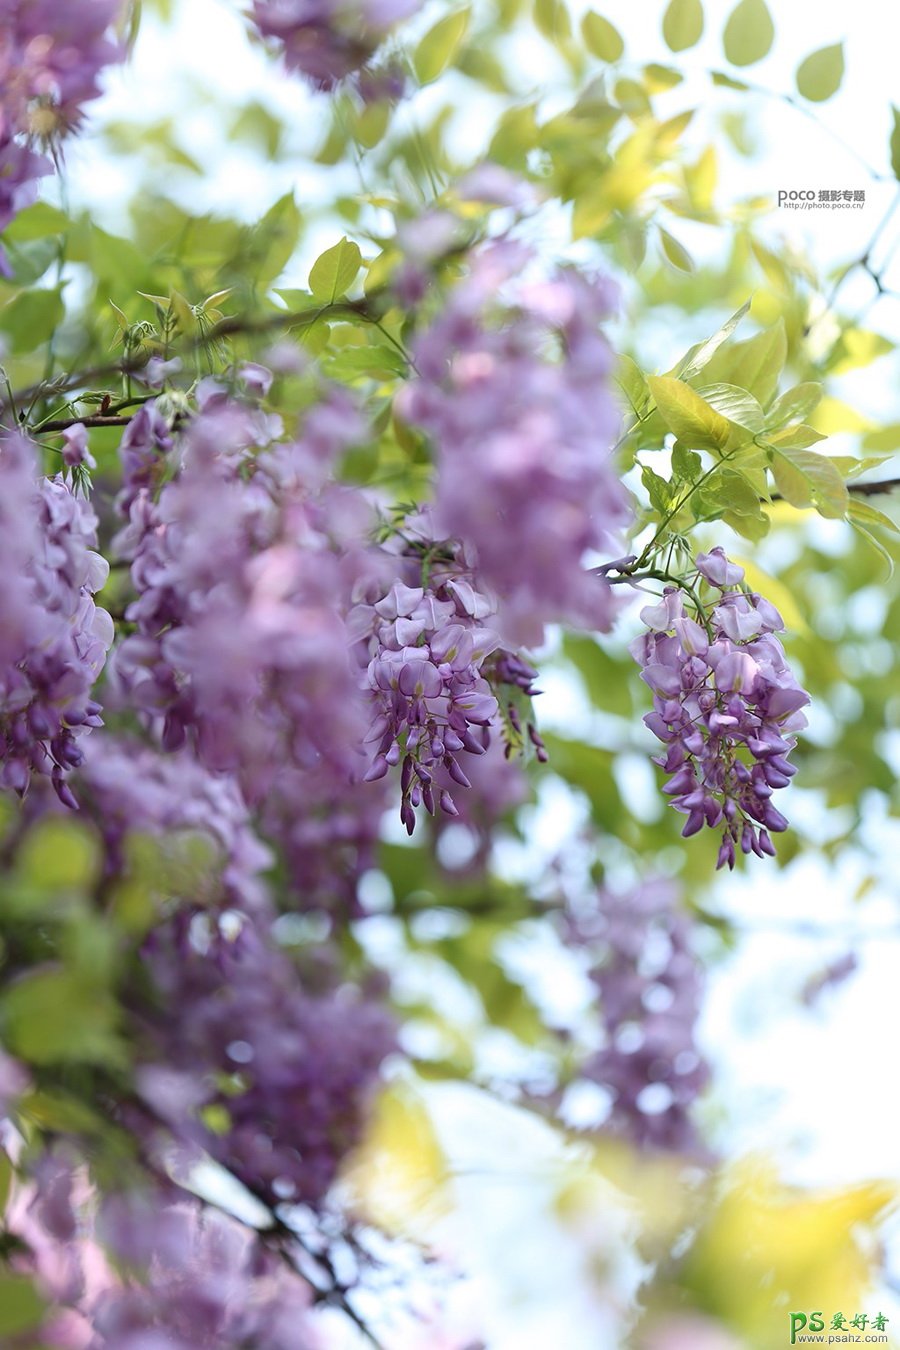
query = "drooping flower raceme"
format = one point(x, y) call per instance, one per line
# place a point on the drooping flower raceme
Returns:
point(649, 983)
point(725, 705)
point(53, 637)
point(433, 672)
point(513, 391)
point(239, 567)
point(146, 1270)
point(51, 55)
point(327, 40)
point(288, 1069)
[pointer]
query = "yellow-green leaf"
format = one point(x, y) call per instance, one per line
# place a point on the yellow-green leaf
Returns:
point(754, 365)
point(749, 33)
point(820, 75)
point(696, 357)
point(439, 46)
point(895, 143)
point(600, 37)
point(552, 19)
point(688, 416)
point(21, 1306)
point(794, 405)
point(676, 253)
point(335, 271)
point(806, 479)
point(682, 24)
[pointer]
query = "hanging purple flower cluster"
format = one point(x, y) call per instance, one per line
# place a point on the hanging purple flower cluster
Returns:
point(328, 40)
point(241, 572)
point(53, 637)
point(513, 389)
point(148, 1270)
point(130, 787)
point(726, 705)
point(433, 672)
point(649, 983)
point(51, 55)
point(287, 1070)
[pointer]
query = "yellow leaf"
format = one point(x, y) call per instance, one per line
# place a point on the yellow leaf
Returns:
point(398, 1176)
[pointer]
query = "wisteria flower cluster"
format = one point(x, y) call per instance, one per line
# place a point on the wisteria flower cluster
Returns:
point(239, 648)
point(649, 983)
point(523, 436)
point(725, 704)
point(53, 637)
point(328, 40)
point(433, 673)
point(270, 1077)
point(51, 56)
point(147, 1270)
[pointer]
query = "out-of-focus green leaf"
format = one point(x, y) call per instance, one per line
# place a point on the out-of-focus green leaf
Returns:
point(439, 46)
point(682, 24)
point(820, 75)
point(31, 318)
point(749, 33)
point(21, 1306)
point(701, 353)
point(895, 143)
point(53, 1016)
point(676, 253)
point(601, 38)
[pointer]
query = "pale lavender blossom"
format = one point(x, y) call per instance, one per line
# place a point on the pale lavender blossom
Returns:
point(54, 637)
point(513, 389)
point(328, 40)
point(649, 983)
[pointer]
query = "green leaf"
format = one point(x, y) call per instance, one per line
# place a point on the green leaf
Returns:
point(697, 356)
point(335, 271)
point(749, 33)
point(440, 45)
point(676, 253)
point(754, 365)
point(796, 437)
point(633, 383)
point(795, 404)
point(31, 318)
point(820, 75)
point(736, 404)
point(53, 1016)
point(601, 38)
point(724, 81)
point(269, 245)
point(863, 511)
point(657, 78)
point(895, 143)
point(682, 24)
point(688, 415)
point(21, 1306)
point(36, 222)
point(552, 19)
point(28, 262)
point(862, 517)
point(806, 479)
point(602, 674)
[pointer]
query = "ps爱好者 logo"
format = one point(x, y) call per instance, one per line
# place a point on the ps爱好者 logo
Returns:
point(819, 1328)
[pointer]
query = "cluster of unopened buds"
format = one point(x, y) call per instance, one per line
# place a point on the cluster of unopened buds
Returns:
point(725, 704)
